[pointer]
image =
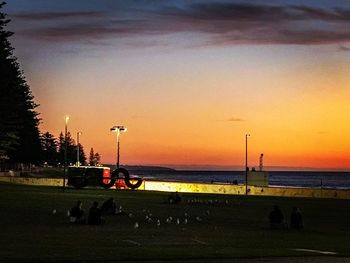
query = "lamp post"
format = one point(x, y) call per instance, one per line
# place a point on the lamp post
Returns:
point(65, 151)
point(246, 163)
point(78, 153)
point(118, 129)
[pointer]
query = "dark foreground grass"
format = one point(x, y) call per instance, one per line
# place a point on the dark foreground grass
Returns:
point(228, 226)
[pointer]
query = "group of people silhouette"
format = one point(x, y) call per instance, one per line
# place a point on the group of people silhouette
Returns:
point(77, 215)
point(277, 221)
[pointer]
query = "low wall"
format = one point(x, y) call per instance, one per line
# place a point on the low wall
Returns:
point(194, 187)
point(204, 188)
point(32, 181)
point(240, 190)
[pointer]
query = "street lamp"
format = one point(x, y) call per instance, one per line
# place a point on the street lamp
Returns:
point(246, 163)
point(65, 151)
point(118, 129)
point(78, 163)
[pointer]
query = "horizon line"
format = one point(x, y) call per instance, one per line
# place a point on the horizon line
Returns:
point(214, 167)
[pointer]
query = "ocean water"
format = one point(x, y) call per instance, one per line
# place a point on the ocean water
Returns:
point(276, 178)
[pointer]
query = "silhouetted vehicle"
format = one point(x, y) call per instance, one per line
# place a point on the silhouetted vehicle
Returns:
point(81, 176)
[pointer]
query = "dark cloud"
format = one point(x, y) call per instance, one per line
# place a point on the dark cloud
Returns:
point(57, 15)
point(83, 31)
point(344, 48)
point(219, 23)
point(336, 14)
point(230, 12)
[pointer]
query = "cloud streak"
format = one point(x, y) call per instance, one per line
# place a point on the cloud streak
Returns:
point(234, 120)
point(218, 23)
point(57, 15)
point(344, 48)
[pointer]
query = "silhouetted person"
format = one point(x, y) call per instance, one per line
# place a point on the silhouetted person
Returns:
point(276, 218)
point(109, 207)
point(296, 219)
point(94, 215)
point(174, 198)
point(76, 213)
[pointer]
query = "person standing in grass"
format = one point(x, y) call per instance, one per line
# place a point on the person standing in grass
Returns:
point(296, 219)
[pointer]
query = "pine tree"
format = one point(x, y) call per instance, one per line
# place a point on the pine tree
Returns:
point(19, 132)
point(49, 148)
point(92, 157)
point(82, 156)
point(71, 149)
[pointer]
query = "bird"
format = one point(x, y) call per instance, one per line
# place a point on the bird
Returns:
point(131, 215)
point(136, 225)
point(198, 219)
point(185, 221)
point(54, 211)
point(158, 222)
point(178, 221)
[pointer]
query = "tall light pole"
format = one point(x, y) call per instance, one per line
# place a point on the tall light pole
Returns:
point(118, 129)
point(65, 151)
point(246, 163)
point(78, 153)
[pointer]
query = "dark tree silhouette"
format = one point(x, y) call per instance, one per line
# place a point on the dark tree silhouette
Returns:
point(94, 158)
point(71, 150)
point(19, 132)
point(49, 146)
point(82, 156)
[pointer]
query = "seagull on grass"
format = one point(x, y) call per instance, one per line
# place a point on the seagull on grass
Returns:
point(199, 219)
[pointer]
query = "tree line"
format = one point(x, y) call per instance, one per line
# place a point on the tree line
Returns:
point(20, 139)
point(53, 150)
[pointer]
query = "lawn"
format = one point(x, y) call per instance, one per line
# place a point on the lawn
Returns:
point(218, 226)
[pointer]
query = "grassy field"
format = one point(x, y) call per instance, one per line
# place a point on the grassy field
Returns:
point(226, 227)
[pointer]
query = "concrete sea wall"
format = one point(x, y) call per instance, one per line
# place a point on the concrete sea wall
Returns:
point(240, 190)
point(204, 188)
point(32, 181)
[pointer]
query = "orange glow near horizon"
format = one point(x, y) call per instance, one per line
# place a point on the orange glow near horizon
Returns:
point(193, 107)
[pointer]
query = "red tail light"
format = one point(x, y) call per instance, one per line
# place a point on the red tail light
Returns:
point(106, 175)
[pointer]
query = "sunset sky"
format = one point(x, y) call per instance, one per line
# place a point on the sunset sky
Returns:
point(190, 78)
